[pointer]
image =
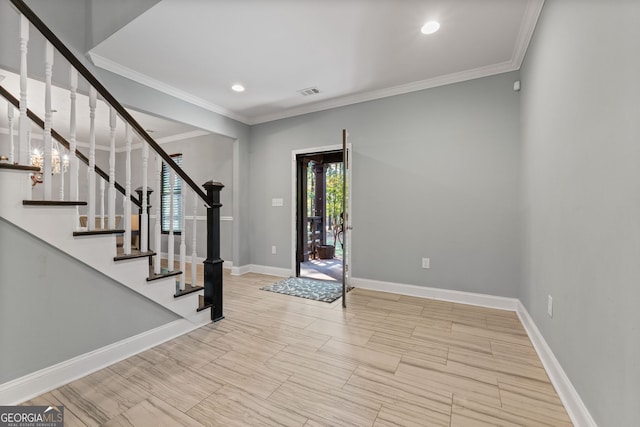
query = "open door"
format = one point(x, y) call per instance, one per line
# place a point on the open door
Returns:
point(346, 225)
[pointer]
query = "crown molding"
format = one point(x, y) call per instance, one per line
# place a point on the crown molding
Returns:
point(114, 67)
point(527, 27)
point(392, 91)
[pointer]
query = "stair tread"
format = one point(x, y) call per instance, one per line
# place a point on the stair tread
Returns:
point(163, 273)
point(202, 305)
point(134, 254)
point(53, 203)
point(25, 168)
point(98, 232)
point(188, 289)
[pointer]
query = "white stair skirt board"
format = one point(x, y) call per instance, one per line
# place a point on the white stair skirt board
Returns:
point(227, 264)
point(25, 388)
point(56, 224)
point(574, 405)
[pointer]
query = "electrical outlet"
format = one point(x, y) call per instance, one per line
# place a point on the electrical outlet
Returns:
point(274, 250)
point(550, 306)
point(425, 263)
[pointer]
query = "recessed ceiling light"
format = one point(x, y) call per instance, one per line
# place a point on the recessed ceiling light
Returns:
point(430, 27)
point(237, 88)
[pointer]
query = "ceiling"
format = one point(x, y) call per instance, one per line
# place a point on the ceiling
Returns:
point(351, 50)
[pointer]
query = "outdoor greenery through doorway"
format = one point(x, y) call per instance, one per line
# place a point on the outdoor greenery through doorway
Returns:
point(333, 175)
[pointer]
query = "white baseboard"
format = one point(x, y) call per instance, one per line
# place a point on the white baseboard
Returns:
point(500, 303)
point(239, 271)
point(25, 388)
point(260, 269)
point(271, 271)
point(227, 264)
point(571, 400)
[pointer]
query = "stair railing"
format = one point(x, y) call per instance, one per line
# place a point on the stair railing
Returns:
point(211, 196)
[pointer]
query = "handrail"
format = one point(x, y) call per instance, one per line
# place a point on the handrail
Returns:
point(106, 95)
point(38, 121)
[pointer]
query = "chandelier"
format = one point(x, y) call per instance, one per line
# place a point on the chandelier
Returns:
point(58, 163)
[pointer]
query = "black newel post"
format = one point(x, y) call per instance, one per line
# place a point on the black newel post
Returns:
point(213, 263)
point(139, 192)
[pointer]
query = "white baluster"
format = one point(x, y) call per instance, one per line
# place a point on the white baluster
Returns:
point(12, 154)
point(47, 171)
point(158, 230)
point(183, 244)
point(73, 160)
point(62, 158)
point(29, 147)
point(194, 240)
point(143, 231)
point(102, 188)
point(24, 124)
point(127, 191)
point(91, 217)
point(112, 168)
point(170, 242)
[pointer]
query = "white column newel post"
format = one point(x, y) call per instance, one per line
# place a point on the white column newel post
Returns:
point(183, 244)
point(12, 154)
point(170, 242)
point(194, 241)
point(91, 217)
point(127, 193)
point(47, 165)
point(24, 124)
point(143, 231)
point(112, 169)
point(158, 229)
point(73, 159)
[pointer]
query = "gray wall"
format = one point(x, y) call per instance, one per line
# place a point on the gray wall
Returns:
point(581, 135)
point(53, 308)
point(435, 174)
point(107, 17)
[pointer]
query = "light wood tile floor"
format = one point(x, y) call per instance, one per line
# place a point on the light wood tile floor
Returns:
point(387, 360)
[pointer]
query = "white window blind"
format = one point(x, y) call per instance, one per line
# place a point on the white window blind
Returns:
point(166, 197)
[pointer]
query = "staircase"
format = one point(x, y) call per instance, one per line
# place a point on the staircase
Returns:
point(55, 218)
point(55, 223)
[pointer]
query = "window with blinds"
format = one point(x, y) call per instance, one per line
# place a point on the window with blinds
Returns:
point(165, 202)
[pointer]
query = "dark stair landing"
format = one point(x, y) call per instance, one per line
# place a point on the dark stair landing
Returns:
point(52, 203)
point(98, 232)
